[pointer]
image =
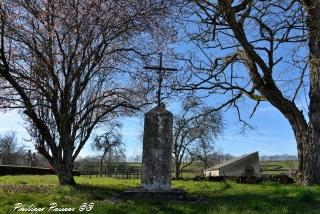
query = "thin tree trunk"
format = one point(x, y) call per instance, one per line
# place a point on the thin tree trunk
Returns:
point(177, 169)
point(101, 162)
point(100, 167)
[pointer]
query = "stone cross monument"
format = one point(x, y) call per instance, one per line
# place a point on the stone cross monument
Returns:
point(156, 157)
point(160, 69)
point(157, 142)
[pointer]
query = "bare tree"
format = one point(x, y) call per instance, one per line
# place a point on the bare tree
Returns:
point(227, 157)
point(194, 133)
point(109, 143)
point(269, 52)
point(204, 152)
point(66, 64)
point(137, 158)
point(10, 150)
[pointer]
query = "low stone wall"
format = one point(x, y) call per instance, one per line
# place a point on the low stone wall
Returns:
point(283, 179)
point(24, 170)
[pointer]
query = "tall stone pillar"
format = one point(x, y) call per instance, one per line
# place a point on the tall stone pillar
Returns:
point(157, 143)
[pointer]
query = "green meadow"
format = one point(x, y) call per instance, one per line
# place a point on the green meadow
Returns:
point(104, 193)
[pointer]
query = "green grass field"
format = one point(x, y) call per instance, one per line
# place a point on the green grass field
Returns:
point(222, 197)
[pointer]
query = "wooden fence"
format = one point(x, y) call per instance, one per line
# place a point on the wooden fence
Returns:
point(123, 170)
point(127, 170)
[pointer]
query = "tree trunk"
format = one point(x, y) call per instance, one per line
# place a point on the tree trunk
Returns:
point(101, 160)
point(64, 165)
point(64, 172)
point(311, 159)
point(311, 147)
point(177, 170)
point(100, 167)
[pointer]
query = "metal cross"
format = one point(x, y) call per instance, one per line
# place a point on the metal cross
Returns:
point(159, 70)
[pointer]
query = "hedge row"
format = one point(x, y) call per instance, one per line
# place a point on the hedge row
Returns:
point(25, 170)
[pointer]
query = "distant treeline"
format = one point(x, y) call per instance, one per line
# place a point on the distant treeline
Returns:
point(283, 157)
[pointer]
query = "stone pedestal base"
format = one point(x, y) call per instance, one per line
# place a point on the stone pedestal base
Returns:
point(157, 150)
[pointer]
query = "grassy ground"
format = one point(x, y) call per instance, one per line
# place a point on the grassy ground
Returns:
point(222, 197)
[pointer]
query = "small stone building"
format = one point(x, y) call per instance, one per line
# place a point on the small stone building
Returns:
point(245, 165)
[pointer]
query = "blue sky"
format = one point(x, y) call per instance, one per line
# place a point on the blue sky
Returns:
point(272, 134)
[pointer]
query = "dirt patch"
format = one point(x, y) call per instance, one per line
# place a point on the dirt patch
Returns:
point(26, 188)
point(114, 199)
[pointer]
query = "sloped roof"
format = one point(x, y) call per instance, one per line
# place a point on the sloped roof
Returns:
point(231, 161)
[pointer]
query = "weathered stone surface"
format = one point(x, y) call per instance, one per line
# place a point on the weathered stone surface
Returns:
point(157, 142)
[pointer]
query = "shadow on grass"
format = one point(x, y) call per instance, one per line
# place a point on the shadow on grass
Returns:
point(301, 201)
point(96, 192)
point(239, 203)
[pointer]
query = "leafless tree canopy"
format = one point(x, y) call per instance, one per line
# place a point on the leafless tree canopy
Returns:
point(266, 51)
point(276, 34)
point(66, 64)
point(195, 130)
point(10, 150)
point(110, 143)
